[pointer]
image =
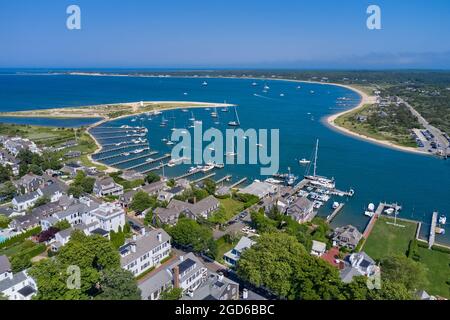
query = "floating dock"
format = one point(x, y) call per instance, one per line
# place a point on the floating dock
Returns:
point(335, 212)
point(238, 183)
point(227, 177)
point(137, 145)
point(431, 237)
point(148, 162)
point(117, 155)
point(133, 159)
point(204, 178)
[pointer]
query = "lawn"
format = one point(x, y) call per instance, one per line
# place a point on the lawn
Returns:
point(438, 273)
point(232, 207)
point(223, 246)
point(387, 240)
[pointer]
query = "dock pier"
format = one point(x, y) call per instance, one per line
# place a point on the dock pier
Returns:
point(238, 183)
point(227, 177)
point(335, 212)
point(373, 219)
point(122, 148)
point(147, 162)
point(204, 177)
point(116, 155)
point(432, 235)
point(133, 159)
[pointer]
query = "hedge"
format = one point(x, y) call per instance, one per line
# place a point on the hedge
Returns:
point(20, 237)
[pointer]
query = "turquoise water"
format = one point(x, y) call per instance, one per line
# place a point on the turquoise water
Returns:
point(419, 183)
point(2, 239)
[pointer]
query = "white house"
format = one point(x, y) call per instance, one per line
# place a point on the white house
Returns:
point(145, 251)
point(24, 202)
point(109, 216)
point(18, 286)
point(107, 187)
point(318, 248)
point(357, 264)
point(231, 257)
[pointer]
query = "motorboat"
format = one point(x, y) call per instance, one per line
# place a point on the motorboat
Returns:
point(304, 161)
point(335, 205)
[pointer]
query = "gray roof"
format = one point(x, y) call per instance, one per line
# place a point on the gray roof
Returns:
point(213, 288)
point(16, 279)
point(203, 205)
point(165, 276)
point(144, 244)
point(348, 273)
point(27, 197)
point(53, 188)
point(75, 208)
point(154, 187)
point(5, 265)
point(244, 243)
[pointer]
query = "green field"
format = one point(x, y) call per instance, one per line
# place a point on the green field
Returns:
point(223, 246)
point(232, 207)
point(438, 274)
point(387, 240)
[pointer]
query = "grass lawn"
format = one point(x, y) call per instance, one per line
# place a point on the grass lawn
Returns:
point(438, 271)
point(387, 240)
point(17, 248)
point(232, 207)
point(222, 247)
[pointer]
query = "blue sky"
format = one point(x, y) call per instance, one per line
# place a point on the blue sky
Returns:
point(245, 33)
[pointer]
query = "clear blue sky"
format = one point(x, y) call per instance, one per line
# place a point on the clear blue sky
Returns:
point(213, 33)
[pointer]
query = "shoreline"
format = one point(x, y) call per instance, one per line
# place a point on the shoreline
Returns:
point(328, 121)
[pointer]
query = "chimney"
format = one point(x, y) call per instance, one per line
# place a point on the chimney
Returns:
point(181, 258)
point(134, 237)
point(195, 200)
point(159, 236)
point(220, 276)
point(133, 247)
point(143, 231)
point(176, 277)
point(245, 293)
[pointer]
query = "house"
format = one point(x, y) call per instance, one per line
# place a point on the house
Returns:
point(107, 187)
point(231, 257)
point(72, 154)
point(204, 208)
point(216, 287)
point(145, 251)
point(7, 159)
point(26, 222)
point(301, 210)
point(17, 144)
point(318, 248)
point(72, 169)
point(23, 202)
point(63, 237)
point(126, 198)
point(187, 272)
point(18, 286)
point(357, 264)
point(260, 189)
point(170, 194)
point(347, 236)
point(54, 191)
point(110, 217)
point(154, 188)
point(29, 183)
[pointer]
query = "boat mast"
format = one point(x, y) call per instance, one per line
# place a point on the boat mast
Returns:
point(315, 157)
point(237, 117)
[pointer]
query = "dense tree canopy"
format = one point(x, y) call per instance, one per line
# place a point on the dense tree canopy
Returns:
point(142, 201)
point(406, 271)
point(118, 284)
point(152, 177)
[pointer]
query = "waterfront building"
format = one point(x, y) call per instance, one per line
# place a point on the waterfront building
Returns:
point(346, 236)
point(357, 264)
point(301, 210)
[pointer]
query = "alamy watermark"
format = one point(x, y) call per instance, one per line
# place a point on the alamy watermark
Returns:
point(73, 21)
point(374, 20)
point(254, 147)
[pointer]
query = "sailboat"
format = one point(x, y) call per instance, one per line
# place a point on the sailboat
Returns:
point(204, 83)
point(214, 113)
point(266, 87)
point(163, 122)
point(235, 123)
point(319, 180)
point(304, 161)
point(192, 118)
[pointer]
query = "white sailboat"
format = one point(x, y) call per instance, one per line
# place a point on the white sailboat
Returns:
point(319, 180)
point(231, 153)
point(236, 122)
point(214, 113)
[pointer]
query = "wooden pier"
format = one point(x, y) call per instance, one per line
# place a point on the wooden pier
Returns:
point(373, 219)
point(238, 183)
point(204, 177)
point(148, 162)
point(137, 145)
point(121, 137)
point(122, 144)
point(187, 174)
point(133, 159)
point(334, 213)
point(432, 235)
point(120, 131)
point(116, 155)
point(227, 177)
point(154, 168)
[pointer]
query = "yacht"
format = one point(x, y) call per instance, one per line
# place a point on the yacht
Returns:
point(281, 94)
point(208, 167)
point(126, 154)
point(304, 161)
point(148, 159)
point(204, 83)
point(370, 210)
point(138, 151)
point(185, 93)
point(312, 91)
point(254, 84)
point(170, 143)
point(335, 205)
point(442, 219)
point(266, 87)
point(235, 123)
point(389, 211)
point(214, 113)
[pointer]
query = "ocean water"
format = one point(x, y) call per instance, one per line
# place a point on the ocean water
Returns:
point(419, 183)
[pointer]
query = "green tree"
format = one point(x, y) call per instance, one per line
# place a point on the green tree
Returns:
point(20, 262)
point(148, 219)
point(278, 262)
point(403, 270)
point(118, 284)
point(7, 190)
point(41, 201)
point(210, 186)
point(88, 184)
point(152, 177)
point(76, 191)
point(190, 233)
point(171, 183)
point(142, 201)
point(62, 225)
point(5, 173)
point(34, 168)
point(4, 221)
point(171, 294)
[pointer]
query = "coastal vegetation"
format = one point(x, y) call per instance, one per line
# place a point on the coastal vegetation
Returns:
point(391, 123)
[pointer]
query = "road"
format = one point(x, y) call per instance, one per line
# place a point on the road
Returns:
point(439, 138)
